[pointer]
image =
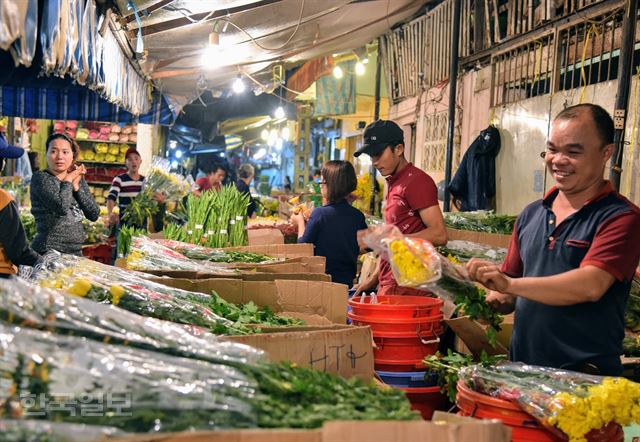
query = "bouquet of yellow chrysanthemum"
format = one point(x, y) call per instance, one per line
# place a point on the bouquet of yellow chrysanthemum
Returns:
point(416, 263)
point(563, 401)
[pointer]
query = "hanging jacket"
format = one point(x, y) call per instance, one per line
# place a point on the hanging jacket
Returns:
point(474, 183)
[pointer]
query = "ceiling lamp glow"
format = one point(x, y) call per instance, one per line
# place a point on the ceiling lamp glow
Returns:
point(279, 113)
point(264, 134)
point(173, 144)
point(260, 153)
point(238, 85)
point(360, 69)
point(273, 136)
point(337, 72)
point(178, 154)
point(211, 54)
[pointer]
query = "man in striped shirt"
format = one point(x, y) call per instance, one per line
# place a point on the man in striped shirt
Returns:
point(125, 187)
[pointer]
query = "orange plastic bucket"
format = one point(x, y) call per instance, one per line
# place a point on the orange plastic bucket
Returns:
point(524, 427)
point(396, 307)
point(426, 400)
point(405, 351)
point(417, 326)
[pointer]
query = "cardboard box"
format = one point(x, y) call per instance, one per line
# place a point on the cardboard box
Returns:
point(490, 239)
point(343, 350)
point(474, 336)
point(325, 299)
point(258, 237)
point(444, 427)
point(277, 250)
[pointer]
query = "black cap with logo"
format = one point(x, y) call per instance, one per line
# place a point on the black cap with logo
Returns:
point(378, 135)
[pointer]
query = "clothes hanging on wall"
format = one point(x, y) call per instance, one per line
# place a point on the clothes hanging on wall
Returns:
point(474, 184)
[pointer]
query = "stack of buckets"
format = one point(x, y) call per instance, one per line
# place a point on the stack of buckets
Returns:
point(405, 330)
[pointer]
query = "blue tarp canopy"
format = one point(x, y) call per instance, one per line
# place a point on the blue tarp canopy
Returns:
point(25, 93)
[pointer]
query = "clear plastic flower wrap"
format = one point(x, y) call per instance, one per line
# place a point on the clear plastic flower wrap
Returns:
point(416, 263)
point(147, 254)
point(465, 250)
point(128, 290)
point(131, 291)
point(31, 430)
point(27, 304)
point(564, 401)
point(201, 253)
point(159, 180)
point(73, 379)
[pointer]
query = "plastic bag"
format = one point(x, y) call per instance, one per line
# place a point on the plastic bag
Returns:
point(563, 401)
point(37, 307)
point(72, 379)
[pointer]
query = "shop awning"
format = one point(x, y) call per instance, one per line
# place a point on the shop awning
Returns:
point(75, 103)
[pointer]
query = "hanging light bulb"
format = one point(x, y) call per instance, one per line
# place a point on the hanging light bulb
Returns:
point(279, 113)
point(178, 154)
point(365, 60)
point(337, 72)
point(360, 69)
point(264, 134)
point(238, 85)
point(211, 54)
point(173, 144)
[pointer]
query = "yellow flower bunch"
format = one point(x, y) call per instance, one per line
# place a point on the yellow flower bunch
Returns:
point(363, 193)
point(409, 269)
point(614, 400)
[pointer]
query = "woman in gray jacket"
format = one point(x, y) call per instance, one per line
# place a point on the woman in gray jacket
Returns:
point(60, 199)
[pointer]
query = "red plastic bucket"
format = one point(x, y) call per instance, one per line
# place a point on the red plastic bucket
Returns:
point(426, 400)
point(418, 326)
point(404, 349)
point(524, 427)
point(396, 307)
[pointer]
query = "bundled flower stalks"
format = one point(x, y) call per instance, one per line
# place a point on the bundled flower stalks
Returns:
point(566, 401)
point(215, 219)
point(158, 181)
point(26, 304)
point(73, 379)
point(131, 291)
point(200, 253)
point(416, 263)
point(147, 254)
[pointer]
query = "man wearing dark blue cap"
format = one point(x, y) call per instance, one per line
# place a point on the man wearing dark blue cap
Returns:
point(411, 201)
point(14, 249)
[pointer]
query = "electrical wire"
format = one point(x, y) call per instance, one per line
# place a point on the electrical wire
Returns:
point(185, 15)
point(295, 31)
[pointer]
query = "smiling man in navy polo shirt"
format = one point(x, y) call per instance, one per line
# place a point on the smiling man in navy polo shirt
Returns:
point(411, 201)
point(572, 256)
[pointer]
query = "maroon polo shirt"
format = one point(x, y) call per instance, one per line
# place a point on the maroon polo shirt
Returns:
point(409, 191)
point(602, 233)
